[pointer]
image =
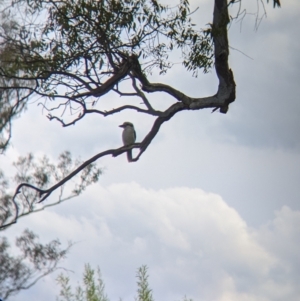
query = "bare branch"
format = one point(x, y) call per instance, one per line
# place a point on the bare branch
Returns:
point(36, 176)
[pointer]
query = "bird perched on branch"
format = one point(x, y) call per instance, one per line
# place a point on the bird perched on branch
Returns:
point(128, 137)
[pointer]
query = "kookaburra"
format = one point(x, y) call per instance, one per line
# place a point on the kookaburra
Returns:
point(128, 137)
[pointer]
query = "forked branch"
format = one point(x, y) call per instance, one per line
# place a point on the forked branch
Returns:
point(129, 67)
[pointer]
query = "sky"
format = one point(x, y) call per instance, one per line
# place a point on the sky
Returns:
point(212, 207)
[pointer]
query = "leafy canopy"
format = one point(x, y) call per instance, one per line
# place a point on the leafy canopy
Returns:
point(93, 288)
point(90, 39)
point(34, 262)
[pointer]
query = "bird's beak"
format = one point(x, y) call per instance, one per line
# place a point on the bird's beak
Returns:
point(121, 126)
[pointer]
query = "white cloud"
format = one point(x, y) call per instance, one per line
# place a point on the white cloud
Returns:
point(193, 243)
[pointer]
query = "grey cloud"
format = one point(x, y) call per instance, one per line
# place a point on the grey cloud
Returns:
point(192, 241)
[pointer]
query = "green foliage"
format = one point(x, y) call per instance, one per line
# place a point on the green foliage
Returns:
point(144, 292)
point(11, 100)
point(92, 289)
point(42, 173)
point(78, 45)
point(98, 34)
point(199, 55)
point(12, 104)
point(35, 261)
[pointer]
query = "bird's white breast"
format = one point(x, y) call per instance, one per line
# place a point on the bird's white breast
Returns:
point(128, 135)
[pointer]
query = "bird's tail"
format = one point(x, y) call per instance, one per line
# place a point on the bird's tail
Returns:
point(129, 155)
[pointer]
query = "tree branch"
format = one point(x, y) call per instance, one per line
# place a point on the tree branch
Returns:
point(126, 64)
